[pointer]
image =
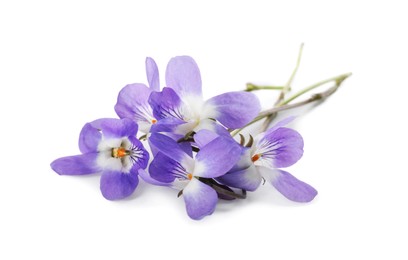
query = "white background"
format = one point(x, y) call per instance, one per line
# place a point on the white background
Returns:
point(63, 63)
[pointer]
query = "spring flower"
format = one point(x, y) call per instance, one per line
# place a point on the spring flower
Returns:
point(133, 99)
point(180, 108)
point(172, 165)
point(276, 148)
point(108, 146)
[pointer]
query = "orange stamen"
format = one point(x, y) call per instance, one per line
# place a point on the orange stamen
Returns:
point(189, 176)
point(255, 158)
point(119, 152)
point(154, 121)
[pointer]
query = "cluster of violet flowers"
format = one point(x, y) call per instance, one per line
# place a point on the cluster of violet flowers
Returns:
point(191, 148)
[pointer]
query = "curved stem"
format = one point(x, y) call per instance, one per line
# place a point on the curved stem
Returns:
point(339, 79)
point(285, 90)
point(285, 106)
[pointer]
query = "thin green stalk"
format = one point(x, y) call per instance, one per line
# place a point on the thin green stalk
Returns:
point(251, 87)
point(338, 80)
point(285, 106)
point(285, 90)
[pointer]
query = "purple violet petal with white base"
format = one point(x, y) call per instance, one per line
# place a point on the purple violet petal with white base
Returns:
point(216, 158)
point(200, 199)
point(183, 75)
point(133, 103)
point(118, 185)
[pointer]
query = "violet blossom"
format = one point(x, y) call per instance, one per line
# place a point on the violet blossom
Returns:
point(180, 108)
point(181, 171)
point(108, 146)
point(278, 147)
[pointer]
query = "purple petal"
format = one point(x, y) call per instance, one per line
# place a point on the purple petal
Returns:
point(142, 158)
point(288, 185)
point(234, 109)
point(248, 179)
point(152, 73)
point(115, 128)
point(165, 169)
point(133, 103)
point(203, 137)
point(183, 75)
point(147, 178)
point(217, 158)
point(167, 146)
point(280, 148)
point(166, 125)
point(89, 139)
point(166, 104)
point(200, 199)
point(76, 165)
point(118, 185)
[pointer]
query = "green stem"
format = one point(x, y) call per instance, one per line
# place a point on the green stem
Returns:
point(285, 106)
point(292, 76)
point(338, 80)
point(251, 87)
point(285, 90)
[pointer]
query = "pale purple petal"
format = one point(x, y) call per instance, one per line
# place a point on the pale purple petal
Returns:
point(167, 146)
point(165, 169)
point(200, 199)
point(279, 148)
point(89, 139)
point(76, 165)
point(118, 185)
point(183, 75)
point(288, 185)
point(147, 178)
point(217, 158)
point(152, 73)
point(115, 128)
point(233, 109)
point(248, 179)
point(133, 103)
point(166, 104)
point(203, 137)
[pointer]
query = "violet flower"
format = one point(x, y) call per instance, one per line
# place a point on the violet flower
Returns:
point(180, 108)
point(108, 146)
point(133, 99)
point(173, 166)
point(278, 147)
